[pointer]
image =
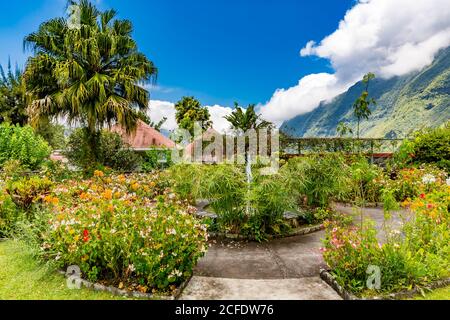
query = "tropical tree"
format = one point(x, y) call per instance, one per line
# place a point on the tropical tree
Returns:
point(361, 107)
point(13, 106)
point(189, 111)
point(243, 121)
point(91, 72)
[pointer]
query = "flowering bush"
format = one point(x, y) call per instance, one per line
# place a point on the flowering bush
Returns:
point(413, 256)
point(129, 231)
point(409, 183)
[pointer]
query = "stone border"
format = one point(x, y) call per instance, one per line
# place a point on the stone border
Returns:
point(346, 295)
point(129, 294)
point(295, 232)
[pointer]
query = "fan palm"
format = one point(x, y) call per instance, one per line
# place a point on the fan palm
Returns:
point(90, 74)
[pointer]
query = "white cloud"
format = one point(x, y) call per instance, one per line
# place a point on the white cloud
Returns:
point(389, 38)
point(160, 109)
point(217, 116)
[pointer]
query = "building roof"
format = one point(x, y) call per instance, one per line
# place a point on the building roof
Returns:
point(144, 137)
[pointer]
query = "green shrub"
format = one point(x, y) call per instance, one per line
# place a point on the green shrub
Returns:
point(157, 159)
point(428, 146)
point(9, 215)
point(22, 144)
point(316, 180)
point(112, 152)
point(254, 210)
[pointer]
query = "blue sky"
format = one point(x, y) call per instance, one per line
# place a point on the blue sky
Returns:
point(219, 51)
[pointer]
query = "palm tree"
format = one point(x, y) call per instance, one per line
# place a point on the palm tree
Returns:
point(361, 107)
point(90, 74)
point(12, 96)
point(242, 122)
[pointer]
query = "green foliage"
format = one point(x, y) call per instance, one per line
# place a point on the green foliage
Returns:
point(410, 257)
point(91, 74)
point(315, 180)
point(404, 104)
point(13, 106)
point(9, 215)
point(54, 134)
point(189, 111)
point(428, 146)
point(111, 152)
point(25, 192)
point(122, 229)
point(361, 107)
point(21, 143)
point(157, 159)
point(247, 120)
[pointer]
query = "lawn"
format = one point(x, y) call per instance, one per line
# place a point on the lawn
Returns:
point(438, 294)
point(23, 278)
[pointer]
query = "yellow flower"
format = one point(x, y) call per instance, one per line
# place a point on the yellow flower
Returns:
point(135, 186)
point(99, 173)
point(107, 194)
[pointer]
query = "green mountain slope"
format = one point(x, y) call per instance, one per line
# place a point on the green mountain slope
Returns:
point(404, 104)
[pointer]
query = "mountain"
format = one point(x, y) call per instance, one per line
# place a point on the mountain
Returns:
point(404, 104)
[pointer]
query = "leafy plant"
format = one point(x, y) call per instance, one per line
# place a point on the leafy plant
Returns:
point(315, 180)
point(157, 159)
point(430, 146)
point(26, 191)
point(111, 152)
point(22, 144)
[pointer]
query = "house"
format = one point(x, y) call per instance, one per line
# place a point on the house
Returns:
point(144, 137)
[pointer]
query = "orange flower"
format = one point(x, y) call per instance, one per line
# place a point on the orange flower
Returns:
point(107, 194)
point(135, 186)
point(99, 173)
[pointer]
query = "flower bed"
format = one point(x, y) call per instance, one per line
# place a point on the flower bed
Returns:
point(410, 258)
point(127, 231)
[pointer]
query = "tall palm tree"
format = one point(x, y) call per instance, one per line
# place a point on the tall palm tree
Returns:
point(243, 121)
point(90, 74)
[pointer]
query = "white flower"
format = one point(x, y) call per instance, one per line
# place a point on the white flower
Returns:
point(428, 179)
point(113, 231)
point(175, 273)
point(448, 182)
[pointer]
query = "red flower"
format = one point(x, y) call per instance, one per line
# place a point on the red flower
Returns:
point(430, 206)
point(85, 235)
point(422, 196)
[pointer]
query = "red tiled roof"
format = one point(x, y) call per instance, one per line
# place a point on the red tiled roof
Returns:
point(144, 137)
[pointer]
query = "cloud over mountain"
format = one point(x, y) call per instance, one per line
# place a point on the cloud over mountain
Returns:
point(389, 38)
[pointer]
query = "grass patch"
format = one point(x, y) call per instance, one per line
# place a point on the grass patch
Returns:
point(438, 294)
point(22, 277)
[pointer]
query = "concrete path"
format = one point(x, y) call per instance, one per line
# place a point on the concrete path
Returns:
point(311, 288)
point(280, 269)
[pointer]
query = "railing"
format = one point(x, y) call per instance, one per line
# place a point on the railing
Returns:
point(372, 147)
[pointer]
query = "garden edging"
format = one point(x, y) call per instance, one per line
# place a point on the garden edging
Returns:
point(346, 295)
point(293, 233)
point(130, 294)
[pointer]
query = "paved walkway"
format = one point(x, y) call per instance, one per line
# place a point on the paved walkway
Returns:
point(280, 269)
